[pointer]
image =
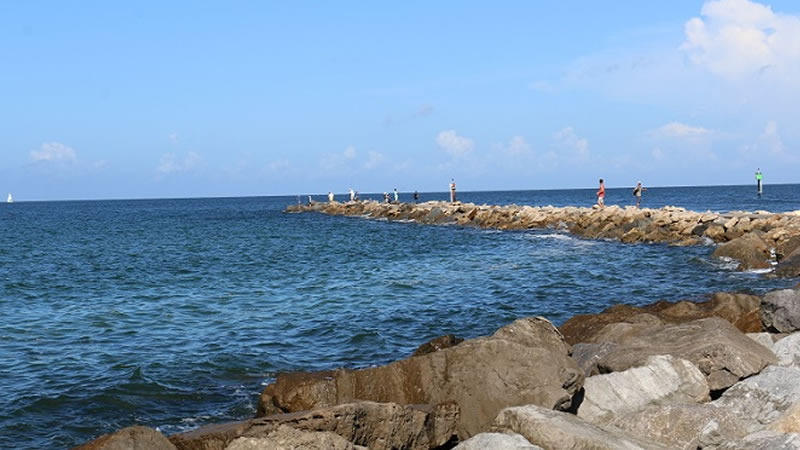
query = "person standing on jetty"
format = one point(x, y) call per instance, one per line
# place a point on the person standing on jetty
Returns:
point(330, 197)
point(385, 197)
point(758, 180)
point(416, 196)
point(396, 197)
point(637, 191)
point(352, 195)
point(452, 190)
point(601, 194)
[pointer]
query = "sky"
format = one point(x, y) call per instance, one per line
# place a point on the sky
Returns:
point(105, 100)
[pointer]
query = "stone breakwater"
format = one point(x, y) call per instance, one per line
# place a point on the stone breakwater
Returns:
point(758, 240)
point(718, 374)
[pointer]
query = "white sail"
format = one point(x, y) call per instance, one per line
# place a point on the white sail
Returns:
point(10, 200)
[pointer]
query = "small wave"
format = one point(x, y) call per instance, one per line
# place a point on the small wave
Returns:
point(557, 236)
point(727, 263)
point(759, 271)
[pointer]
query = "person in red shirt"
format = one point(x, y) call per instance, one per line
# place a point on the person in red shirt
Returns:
point(601, 194)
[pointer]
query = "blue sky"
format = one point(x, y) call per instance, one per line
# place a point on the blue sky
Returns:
point(197, 99)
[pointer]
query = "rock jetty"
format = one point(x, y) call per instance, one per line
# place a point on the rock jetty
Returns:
point(663, 376)
point(758, 240)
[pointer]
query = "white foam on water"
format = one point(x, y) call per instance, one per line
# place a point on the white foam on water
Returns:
point(557, 236)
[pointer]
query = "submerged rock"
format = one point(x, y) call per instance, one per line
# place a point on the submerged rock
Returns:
point(525, 362)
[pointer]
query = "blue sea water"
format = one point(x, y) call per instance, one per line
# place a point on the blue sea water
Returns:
point(175, 313)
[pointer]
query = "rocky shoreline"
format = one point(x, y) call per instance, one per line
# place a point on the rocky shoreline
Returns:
point(718, 374)
point(758, 240)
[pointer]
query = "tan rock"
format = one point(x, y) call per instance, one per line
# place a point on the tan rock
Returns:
point(135, 437)
point(525, 362)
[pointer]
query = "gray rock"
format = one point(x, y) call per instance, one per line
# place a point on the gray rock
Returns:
point(716, 347)
point(780, 311)
point(525, 362)
point(787, 350)
point(130, 438)
point(287, 438)
point(554, 429)
point(764, 339)
point(683, 426)
point(789, 267)
point(497, 441)
point(765, 440)
point(764, 398)
point(374, 425)
point(663, 380)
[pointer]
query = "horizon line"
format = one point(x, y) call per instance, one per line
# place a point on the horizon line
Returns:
point(381, 193)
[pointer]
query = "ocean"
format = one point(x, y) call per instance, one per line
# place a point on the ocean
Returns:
point(175, 313)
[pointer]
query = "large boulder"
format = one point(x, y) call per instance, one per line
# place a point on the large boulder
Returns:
point(130, 438)
point(786, 247)
point(497, 441)
point(764, 440)
point(750, 250)
point(789, 267)
point(548, 428)
point(374, 425)
point(684, 426)
point(764, 398)
point(742, 310)
point(716, 347)
point(663, 380)
point(287, 438)
point(780, 311)
point(787, 350)
point(525, 362)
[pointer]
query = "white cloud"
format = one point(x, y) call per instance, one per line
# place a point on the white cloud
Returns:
point(54, 151)
point(170, 163)
point(568, 139)
point(517, 146)
point(680, 130)
point(454, 144)
point(737, 39)
point(374, 159)
point(349, 152)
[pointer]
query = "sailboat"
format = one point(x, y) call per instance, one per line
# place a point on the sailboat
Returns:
point(10, 200)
